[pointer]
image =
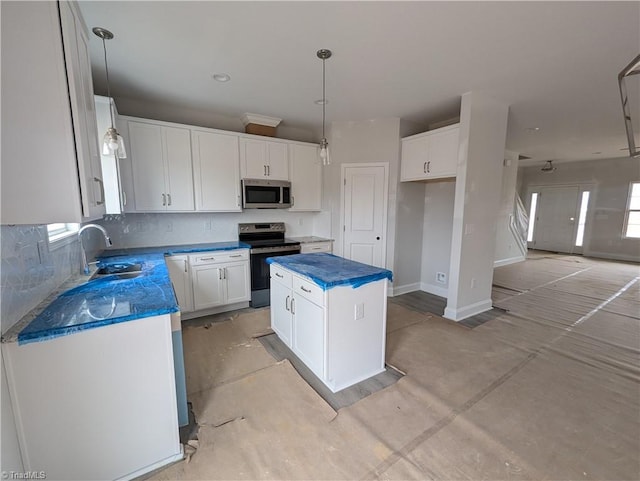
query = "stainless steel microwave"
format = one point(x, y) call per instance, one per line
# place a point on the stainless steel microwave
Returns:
point(266, 194)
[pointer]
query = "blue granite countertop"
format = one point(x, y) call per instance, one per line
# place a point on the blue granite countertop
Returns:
point(111, 299)
point(328, 270)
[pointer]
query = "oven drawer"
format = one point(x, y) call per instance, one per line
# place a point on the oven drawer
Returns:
point(309, 290)
point(281, 275)
point(214, 257)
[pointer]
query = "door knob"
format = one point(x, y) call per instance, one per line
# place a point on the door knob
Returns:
point(378, 238)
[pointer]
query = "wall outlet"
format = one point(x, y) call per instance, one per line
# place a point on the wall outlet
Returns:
point(441, 277)
point(359, 311)
point(169, 226)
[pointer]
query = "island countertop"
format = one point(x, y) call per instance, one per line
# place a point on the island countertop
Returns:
point(85, 303)
point(328, 270)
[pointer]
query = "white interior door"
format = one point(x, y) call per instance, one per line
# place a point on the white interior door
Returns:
point(364, 213)
point(556, 219)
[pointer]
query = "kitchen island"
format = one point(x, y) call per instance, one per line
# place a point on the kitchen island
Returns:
point(332, 313)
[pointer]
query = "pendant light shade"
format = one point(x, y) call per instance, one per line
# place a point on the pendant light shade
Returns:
point(112, 142)
point(324, 54)
point(548, 167)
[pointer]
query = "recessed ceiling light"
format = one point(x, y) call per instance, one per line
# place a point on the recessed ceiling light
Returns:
point(532, 129)
point(221, 77)
point(321, 102)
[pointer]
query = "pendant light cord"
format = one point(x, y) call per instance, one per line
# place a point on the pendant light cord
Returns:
point(324, 98)
point(106, 68)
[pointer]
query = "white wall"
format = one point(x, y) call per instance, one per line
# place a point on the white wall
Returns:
point(438, 201)
point(605, 220)
point(483, 131)
point(376, 140)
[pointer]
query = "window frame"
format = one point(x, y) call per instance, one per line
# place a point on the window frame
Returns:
point(628, 210)
point(62, 234)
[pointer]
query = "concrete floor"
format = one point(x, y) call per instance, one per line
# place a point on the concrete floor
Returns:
point(548, 388)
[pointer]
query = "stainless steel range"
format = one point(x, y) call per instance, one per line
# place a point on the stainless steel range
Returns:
point(266, 240)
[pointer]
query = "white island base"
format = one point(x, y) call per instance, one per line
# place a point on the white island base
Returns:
point(339, 333)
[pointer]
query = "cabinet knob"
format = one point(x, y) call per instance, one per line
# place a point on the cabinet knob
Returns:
point(378, 238)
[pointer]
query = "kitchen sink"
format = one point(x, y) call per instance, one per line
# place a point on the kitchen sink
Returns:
point(118, 271)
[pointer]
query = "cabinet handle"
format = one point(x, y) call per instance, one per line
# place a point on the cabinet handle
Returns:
point(428, 167)
point(238, 201)
point(164, 200)
point(305, 290)
point(264, 168)
point(293, 201)
point(279, 275)
point(269, 170)
point(101, 184)
point(286, 303)
point(169, 197)
point(124, 198)
point(224, 272)
point(424, 168)
point(236, 255)
point(293, 305)
point(219, 273)
point(207, 259)
point(185, 265)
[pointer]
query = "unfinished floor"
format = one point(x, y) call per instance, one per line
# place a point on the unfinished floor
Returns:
point(547, 389)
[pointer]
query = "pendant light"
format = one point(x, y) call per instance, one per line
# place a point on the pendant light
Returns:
point(324, 54)
point(112, 142)
point(548, 167)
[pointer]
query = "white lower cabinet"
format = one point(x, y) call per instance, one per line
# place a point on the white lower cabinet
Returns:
point(110, 409)
point(178, 267)
point(219, 278)
point(339, 333)
point(308, 333)
point(281, 315)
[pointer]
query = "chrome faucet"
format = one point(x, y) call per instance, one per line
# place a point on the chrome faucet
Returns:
point(107, 241)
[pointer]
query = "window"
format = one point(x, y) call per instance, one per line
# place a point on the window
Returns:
point(532, 216)
point(59, 232)
point(582, 219)
point(632, 227)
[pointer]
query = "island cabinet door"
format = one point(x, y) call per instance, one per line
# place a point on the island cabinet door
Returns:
point(281, 318)
point(308, 333)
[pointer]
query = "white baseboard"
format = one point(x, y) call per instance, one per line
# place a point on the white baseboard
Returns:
point(399, 290)
point(434, 289)
point(613, 257)
point(467, 311)
point(510, 260)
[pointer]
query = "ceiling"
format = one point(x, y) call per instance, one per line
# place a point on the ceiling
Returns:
point(554, 63)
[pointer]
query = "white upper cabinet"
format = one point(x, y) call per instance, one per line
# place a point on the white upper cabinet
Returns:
point(263, 159)
point(306, 177)
point(430, 155)
point(50, 158)
point(161, 167)
point(216, 168)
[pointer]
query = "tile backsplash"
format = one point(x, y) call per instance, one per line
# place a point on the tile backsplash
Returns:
point(139, 230)
point(29, 271)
